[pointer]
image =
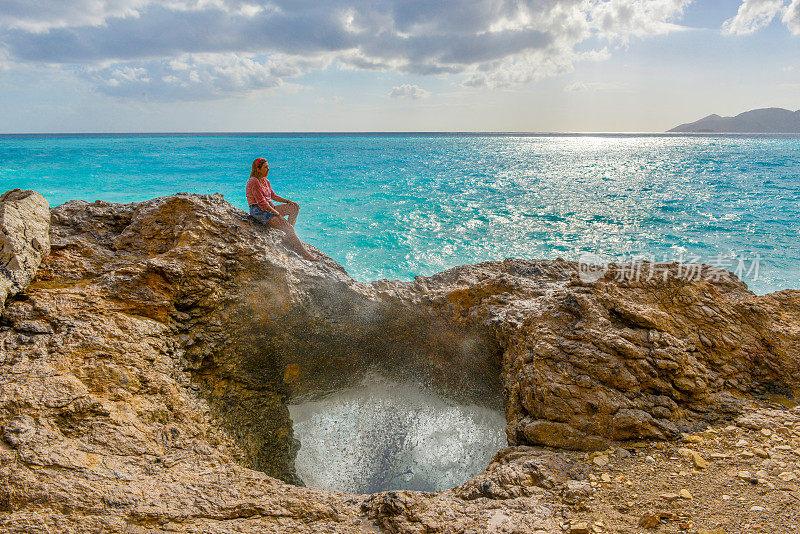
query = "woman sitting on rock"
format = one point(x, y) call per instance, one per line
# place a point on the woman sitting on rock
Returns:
point(260, 196)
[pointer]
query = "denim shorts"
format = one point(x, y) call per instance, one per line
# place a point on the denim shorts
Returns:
point(261, 215)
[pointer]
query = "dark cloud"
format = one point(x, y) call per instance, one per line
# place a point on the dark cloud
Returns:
point(39, 15)
point(126, 45)
point(159, 32)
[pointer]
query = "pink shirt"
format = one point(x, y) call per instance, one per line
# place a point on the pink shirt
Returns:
point(259, 193)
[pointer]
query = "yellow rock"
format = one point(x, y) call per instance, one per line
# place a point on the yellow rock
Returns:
point(698, 461)
point(649, 520)
point(685, 494)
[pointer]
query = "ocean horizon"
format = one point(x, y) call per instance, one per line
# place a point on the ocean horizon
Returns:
point(402, 204)
point(445, 133)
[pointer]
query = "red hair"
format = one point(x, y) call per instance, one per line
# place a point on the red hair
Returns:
point(256, 165)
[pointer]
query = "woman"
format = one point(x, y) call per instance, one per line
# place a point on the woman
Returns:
point(260, 196)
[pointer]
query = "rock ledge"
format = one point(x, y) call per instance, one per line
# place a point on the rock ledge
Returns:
point(146, 369)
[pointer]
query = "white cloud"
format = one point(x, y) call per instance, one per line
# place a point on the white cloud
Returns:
point(752, 16)
point(623, 19)
point(594, 87)
point(188, 77)
point(408, 91)
point(5, 62)
point(791, 17)
point(127, 75)
point(530, 66)
point(329, 100)
point(487, 43)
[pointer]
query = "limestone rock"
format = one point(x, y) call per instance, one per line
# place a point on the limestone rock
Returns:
point(698, 461)
point(585, 362)
point(576, 491)
point(24, 239)
point(519, 471)
point(145, 375)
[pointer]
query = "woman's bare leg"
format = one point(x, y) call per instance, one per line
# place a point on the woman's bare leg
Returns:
point(289, 209)
point(291, 237)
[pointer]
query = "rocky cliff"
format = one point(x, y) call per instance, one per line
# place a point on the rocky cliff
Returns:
point(145, 371)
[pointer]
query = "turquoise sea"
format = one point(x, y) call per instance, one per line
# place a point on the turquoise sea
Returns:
point(400, 205)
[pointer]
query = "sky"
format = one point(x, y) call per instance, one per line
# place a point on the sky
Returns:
point(391, 65)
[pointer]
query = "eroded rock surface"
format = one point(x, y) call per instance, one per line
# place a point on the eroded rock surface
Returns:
point(144, 373)
point(650, 351)
point(24, 239)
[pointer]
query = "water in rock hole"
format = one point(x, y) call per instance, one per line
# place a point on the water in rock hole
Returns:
point(383, 435)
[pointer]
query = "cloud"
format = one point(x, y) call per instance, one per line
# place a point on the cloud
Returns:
point(244, 45)
point(408, 91)
point(623, 19)
point(329, 100)
point(191, 76)
point(752, 16)
point(791, 17)
point(42, 15)
point(594, 87)
point(5, 62)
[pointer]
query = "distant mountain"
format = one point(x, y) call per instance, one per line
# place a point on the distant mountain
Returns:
point(767, 120)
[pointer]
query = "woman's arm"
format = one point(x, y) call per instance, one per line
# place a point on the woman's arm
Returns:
point(265, 205)
point(281, 199)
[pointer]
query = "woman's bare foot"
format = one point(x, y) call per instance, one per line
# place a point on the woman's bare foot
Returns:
point(291, 238)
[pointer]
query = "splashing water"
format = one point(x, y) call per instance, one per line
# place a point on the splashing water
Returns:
point(384, 435)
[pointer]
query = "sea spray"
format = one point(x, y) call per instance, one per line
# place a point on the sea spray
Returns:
point(384, 435)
